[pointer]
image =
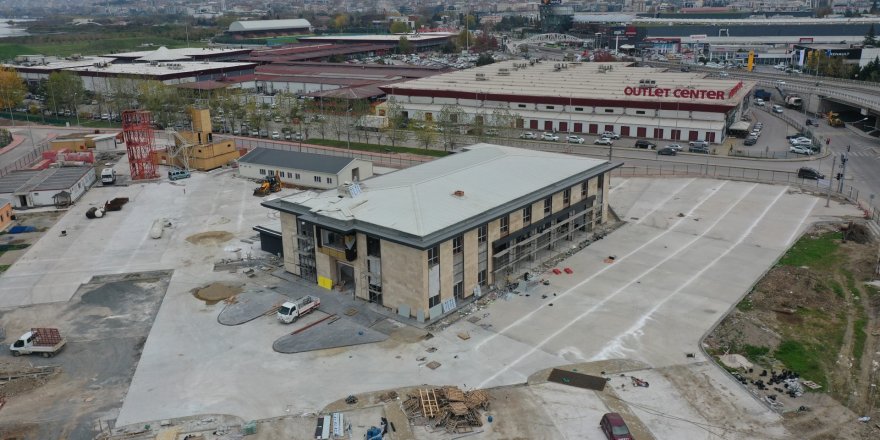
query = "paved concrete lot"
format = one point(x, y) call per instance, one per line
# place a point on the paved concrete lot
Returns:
point(670, 282)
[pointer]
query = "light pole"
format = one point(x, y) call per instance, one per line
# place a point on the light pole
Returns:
point(76, 108)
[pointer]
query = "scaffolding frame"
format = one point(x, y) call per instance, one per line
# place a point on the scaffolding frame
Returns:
point(137, 130)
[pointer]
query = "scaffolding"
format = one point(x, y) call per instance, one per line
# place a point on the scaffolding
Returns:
point(137, 131)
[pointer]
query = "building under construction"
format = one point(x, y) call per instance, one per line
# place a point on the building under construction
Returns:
point(197, 149)
point(420, 240)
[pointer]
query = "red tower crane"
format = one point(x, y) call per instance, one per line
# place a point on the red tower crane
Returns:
point(137, 130)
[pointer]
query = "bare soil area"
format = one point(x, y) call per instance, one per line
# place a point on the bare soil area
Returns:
point(813, 317)
point(210, 238)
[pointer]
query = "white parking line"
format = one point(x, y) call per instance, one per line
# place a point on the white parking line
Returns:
point(657, 206)
point(796, 231)
point(615, 347)
point(615, 293)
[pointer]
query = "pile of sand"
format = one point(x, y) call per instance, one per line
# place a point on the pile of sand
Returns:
point(216, 292)
point(210, 238)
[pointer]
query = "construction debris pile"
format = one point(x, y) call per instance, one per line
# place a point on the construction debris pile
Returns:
point(455, 410)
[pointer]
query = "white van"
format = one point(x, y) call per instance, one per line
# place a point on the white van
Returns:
point(108, 176)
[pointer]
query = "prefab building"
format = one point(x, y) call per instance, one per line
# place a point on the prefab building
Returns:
point(31, 188)
point(308, 170)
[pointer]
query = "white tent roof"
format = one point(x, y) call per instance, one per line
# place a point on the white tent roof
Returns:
point(268, 25)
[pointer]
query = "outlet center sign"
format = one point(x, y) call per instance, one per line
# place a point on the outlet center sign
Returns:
point(659, 92)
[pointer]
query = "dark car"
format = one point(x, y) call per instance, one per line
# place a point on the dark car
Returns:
point(810, 173)
point(811, 122)
point(750, 141)
point(667, 151)
point(698, 149)
point(614, 427)
point(641, 143)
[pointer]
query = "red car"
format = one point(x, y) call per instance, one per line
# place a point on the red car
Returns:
point(614, 427)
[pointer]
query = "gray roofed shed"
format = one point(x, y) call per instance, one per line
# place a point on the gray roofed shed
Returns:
point(318, 163)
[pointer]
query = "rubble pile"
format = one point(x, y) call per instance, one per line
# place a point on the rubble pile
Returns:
point(455, 410)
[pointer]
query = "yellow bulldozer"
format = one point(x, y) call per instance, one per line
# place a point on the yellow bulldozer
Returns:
point(834, 121)
point(271, 184)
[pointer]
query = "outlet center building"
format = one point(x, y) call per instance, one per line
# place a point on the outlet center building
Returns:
point(420, 240)
point(581, 98)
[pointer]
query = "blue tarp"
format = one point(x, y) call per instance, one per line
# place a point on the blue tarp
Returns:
point(21, 229)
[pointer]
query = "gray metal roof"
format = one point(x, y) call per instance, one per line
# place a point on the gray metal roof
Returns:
point(318, 163)
point(419, 207)
point(268, 25)
point(25, 181)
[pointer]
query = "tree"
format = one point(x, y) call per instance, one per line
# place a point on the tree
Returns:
point(65, 90)
point(404, 46)
point(870, 37)
point(12, 88)
point(340, 21)
point(426, 136)
point(399, 27)
point(448, 123)
point(464, 40)
point(396, 121)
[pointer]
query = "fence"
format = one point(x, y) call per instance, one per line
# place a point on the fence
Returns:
point(26, 160)
point(391, 160)
point(822, 187)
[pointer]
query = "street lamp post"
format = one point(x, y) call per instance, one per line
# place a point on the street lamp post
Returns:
point(76, 108)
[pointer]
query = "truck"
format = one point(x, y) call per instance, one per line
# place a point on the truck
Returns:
point(290, 311)
point(793, 101)
point(763, 94)
point(46, 341)
point(108, 176)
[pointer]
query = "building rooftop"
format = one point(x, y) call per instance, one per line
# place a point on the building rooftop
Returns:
point(268, 25)
point(418, 205)
point(579, 81)
point(165, 54)
point(52, 65)
point(24, 181)
point(161, 69)
point(319, 163)
point(394, 38)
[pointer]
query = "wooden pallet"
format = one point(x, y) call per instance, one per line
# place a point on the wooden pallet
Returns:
point(429, 402)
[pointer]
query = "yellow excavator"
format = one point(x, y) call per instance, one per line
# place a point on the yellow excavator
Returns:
point(271, 184)
point(834, 121)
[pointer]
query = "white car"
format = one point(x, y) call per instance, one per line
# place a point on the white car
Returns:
point(801, 141)
point(675, 147)
point(575, 139)
point(549, 137)
point(610, 135)
point(798, 149)
point(759, 102)
point(275, 135)
point(604, 141)
point(528, 135)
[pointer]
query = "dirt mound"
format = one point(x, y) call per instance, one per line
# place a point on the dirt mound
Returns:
point(858, 233)
point(21, 382)
point(210, 238)
point(216, 292)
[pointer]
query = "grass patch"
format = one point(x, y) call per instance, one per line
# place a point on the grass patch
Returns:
point(376, 148)
point(3, 267)
point(815, 252)
point(872, 290)
point(801, 358)
point(745, 305)
point(754, 351)
point(837, 288)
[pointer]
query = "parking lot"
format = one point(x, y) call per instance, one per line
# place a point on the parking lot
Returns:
point(690, 249)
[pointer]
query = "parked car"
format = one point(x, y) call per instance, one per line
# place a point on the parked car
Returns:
point(802, 141)
point(698, 144)
point(795, 136)
point(756, 132)
point(575, 139)
point(276, 135)
point(675, 147)
point(751, 140)
point(604, 141)
point(759, 102)
point(797, 149)
point(254, 133)
point(759, 125)
point(614, 427)
point(698, 149)
point(810, 173)
point(667, 151)
point(641, 143)
point(491, 132)
point(528, 135)
point(549, 137)
point(610, 135)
